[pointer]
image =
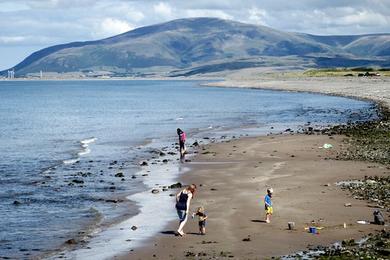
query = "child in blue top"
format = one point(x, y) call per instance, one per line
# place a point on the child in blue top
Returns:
point(268, 205)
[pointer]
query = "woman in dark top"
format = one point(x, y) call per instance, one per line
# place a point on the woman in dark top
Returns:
point(183, 200)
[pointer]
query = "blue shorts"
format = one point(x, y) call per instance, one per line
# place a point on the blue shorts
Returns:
point(182, 215)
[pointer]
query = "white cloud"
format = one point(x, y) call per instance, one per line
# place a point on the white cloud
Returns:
point(11, 39)
point(41, 23)
point(257, 16)
point(208, 13)
point(365, 18)
point(163, 9)
point(111, 27)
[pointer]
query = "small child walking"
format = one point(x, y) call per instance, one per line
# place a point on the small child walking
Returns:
point(268, 205)
point(202, 220)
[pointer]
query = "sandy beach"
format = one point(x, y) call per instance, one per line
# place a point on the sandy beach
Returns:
point(233, 176)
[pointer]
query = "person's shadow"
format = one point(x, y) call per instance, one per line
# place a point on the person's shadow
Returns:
point(174, 233)
point(169, 232)
point(258, 221)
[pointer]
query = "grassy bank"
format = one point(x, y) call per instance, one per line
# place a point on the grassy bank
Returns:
point(347, 72)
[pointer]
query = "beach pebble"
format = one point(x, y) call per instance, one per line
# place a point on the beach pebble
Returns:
point(347, 205)
point(16, 202)
point(177, 185)
point(195, 143)
point(114, 200)
point(155, 191)
point(247, 239)
point(134, 228)
point(113, 162)
point(144, 163)
point(120, 175)
point(71, 242)
point(165, 161)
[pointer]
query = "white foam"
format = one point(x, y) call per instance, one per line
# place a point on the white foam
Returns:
point(84, 152)
point(155, 211)
point(179, 118)
point(88, 141)
point(85, 145)
point(70, 161)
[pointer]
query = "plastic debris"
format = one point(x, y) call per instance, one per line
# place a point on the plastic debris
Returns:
point(326, 146)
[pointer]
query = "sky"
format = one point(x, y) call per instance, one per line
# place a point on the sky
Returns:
point(29, 25)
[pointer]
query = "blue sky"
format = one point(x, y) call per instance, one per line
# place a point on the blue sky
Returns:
point(29, 25)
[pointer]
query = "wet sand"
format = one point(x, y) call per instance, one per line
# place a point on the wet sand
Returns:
point(232, 179)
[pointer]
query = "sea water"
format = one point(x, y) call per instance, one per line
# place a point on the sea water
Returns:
point(63, 144)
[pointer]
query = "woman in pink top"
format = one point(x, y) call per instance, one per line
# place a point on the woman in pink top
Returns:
point(182, 142)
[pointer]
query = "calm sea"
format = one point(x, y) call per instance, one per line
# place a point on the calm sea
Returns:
point(63, 143)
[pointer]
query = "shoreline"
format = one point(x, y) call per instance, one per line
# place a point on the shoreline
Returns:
point(146, 192)
point(161, 248)
point(356, 88)
point(239, 216)
point(172, 181)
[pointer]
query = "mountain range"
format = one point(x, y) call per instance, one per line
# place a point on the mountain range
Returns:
point(193, 46)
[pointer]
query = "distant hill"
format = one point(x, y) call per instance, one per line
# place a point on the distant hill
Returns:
point(202, 45)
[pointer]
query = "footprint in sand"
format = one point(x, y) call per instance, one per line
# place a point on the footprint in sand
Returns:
point(267, 175)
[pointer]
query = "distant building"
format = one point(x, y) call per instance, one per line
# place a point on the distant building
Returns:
point(11, 74)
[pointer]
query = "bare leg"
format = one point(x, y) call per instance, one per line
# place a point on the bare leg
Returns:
point(267, 218)
point(181, 226)
point(182, 155)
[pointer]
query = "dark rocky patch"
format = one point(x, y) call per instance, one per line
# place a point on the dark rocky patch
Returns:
point(144, 163)
point(177, 185)
point(119, 175)
point(71, 241)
